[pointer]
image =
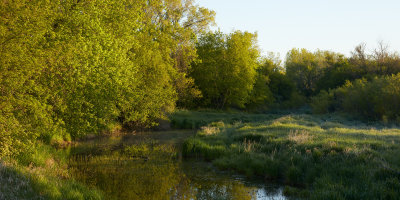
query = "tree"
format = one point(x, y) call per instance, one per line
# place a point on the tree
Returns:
point(304, 68)
point(178, 22)
point(24, 114)
point(69, 68)
point(268, 85)
point(227, 71)
point(321, 70)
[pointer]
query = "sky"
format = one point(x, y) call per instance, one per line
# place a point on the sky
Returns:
point(335, 25)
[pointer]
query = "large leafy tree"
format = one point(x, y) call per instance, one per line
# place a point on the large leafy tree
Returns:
point(24, 113)
point(227, 71)
point(312, 71)
point(72, 67)
point(304, 68)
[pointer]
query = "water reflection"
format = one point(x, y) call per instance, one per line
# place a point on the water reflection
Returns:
point(150, 170)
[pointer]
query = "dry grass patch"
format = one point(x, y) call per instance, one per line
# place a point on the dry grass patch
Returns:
point(300, 136)
point(209, 130)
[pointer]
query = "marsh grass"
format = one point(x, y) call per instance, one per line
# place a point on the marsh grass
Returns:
point(185, 119)
point(14, 185)
point(209, 130)
point(300, 137)
point(42, 174)
point(317, 157)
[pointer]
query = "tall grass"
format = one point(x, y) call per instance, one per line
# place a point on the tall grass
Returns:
point(42, 175)
point(316, 157)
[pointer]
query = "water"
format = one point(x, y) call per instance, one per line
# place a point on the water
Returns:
point(149, 166)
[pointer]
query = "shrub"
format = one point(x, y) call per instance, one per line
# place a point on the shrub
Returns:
point(378, 99)
point(322, 103)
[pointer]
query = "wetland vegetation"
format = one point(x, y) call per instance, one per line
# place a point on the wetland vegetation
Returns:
point(316, 157)
point(140, 167)
point(140, 99)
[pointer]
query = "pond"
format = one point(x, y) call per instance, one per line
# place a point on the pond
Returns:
point(150, 166)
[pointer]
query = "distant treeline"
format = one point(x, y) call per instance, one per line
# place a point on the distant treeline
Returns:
point(70, 68)
point(232, 74)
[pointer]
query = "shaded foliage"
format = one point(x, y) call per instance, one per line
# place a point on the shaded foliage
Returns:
point(372, 100)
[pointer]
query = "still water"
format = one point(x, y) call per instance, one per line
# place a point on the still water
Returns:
point(150, 166)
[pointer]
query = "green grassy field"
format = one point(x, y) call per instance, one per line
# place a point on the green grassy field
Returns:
point(316, 157)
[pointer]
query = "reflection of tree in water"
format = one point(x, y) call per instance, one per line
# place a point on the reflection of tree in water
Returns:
point(143, 173)
point(150, 172)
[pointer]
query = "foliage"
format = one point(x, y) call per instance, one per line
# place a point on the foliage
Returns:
point(71, 68)
point(374, 100)
point(261, 94)
point(337, 72)
point(307, 69)
point(304, 68)
point(322, 103)
point(378, 63)
point(24, 113)
point(340, 69)
point(227, 70)
point(281, 86)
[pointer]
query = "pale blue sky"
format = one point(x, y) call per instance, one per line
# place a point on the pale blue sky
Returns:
point(336, 25)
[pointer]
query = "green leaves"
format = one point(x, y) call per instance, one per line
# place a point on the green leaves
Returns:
point(372, 100)
point(72, 67)
point(227, 71)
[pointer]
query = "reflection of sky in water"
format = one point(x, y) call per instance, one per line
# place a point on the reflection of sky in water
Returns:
point(215, 184)
point(263, 194)
point(255, 193)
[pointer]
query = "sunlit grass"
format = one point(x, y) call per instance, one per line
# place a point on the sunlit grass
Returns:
point(317, 157)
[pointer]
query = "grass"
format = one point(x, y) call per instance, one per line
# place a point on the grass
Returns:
point(41, 175)
point(316, 157)
point(185, 119)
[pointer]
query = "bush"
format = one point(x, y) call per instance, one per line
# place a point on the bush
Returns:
point(296, 101)
point(378, 99)
point(322, 103)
